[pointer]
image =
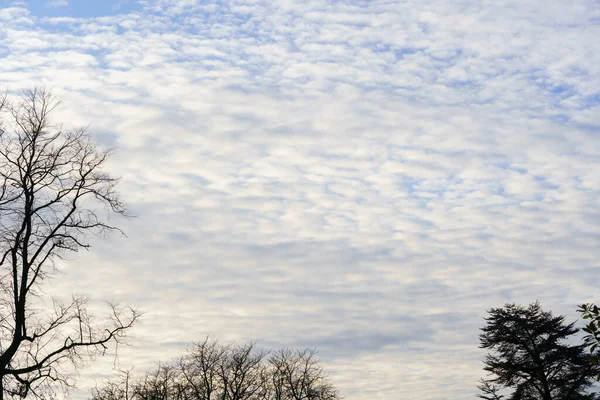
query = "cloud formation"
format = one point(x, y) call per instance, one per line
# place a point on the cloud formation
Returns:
point(57, 3)
point(364, 177)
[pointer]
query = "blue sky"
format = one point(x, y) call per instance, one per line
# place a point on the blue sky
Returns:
point(366, 178)
point(75, 8)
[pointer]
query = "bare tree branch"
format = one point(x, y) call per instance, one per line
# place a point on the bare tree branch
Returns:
point(210, 371)
point(51, 184)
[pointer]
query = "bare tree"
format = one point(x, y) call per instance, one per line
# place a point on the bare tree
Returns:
point(163, 383)
point(215, 372)
point(243, 374)
point(52, 183)
point(200, 369)
point(121, 389)
point(296, 375)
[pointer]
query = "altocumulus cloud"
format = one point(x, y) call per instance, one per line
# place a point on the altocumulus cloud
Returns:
point(57, 3)
point(365, 177)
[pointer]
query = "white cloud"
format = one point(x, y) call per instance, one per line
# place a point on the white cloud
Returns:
point(366, 179)
point(57, 3)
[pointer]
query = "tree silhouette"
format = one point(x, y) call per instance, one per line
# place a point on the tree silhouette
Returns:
point(530, 356)
point(210, 371)
point(489, 391)
point(591, 312)
point(51, 183)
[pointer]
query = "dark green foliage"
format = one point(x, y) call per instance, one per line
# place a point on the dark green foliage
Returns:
point(591, 312)
point(530, 359)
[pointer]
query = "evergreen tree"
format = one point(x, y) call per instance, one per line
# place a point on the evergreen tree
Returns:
point(530, 356)
point(489, 391)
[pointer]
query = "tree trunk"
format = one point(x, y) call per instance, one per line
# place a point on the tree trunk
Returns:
point(547, 395)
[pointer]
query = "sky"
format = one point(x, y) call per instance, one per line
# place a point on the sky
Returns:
point(366, 178)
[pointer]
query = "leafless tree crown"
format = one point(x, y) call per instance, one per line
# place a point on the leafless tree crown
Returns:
point(52, 186)
point(214, 372)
